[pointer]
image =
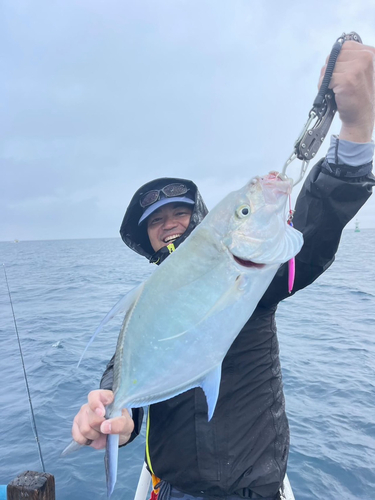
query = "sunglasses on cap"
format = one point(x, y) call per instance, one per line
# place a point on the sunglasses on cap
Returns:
point(169, 191)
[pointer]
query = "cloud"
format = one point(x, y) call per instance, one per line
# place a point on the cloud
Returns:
point(99, 98)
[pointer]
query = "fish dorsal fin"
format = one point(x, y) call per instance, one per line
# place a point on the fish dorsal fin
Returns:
point(211, 385)
point(122, 306)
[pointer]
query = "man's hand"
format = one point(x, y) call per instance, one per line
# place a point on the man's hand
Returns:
point(353, 84)
point(91, 427)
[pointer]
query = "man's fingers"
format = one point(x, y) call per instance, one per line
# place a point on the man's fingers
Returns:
point(354, 60)
point(351, 55)
point(357, 74)
point(123, 425)
point(364, 62)
point(118, 425)
point(355, 46)
point(83, 435)
point(88, 421)
point(99, 443)
point(90, 426)
point(98, 400)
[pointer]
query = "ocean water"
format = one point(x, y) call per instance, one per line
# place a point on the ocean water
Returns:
point(62, 289)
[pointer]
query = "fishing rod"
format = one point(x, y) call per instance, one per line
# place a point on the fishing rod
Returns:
point(24, 373)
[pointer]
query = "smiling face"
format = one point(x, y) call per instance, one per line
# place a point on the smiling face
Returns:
point(167, 223)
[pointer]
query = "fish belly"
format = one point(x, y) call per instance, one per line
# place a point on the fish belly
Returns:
point(183, 324)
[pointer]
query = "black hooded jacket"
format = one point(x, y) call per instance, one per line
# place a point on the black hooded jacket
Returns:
point(246, 444)
point(135, 236)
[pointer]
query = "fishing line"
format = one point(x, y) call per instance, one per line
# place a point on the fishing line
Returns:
point(25, 376)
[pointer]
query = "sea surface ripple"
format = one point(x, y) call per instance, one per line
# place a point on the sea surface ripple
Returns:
point(62, 289)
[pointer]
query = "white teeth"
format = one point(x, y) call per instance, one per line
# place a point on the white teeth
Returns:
point(170, 238)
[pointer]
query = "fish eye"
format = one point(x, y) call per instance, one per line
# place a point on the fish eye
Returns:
point(243, 211)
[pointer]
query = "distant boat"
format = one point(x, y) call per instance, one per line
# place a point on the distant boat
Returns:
point(16, 241)
point(357, 230)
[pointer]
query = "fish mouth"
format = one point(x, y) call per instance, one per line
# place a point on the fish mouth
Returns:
point(247, 263)
point(278, 182)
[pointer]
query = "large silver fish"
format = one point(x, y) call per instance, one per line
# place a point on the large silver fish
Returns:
point(198, 300)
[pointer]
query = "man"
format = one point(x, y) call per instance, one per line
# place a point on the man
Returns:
point(243, 450)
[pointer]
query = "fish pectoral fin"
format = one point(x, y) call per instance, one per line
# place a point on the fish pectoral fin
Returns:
point(225, 301)
point(123, 305)
point(211, 385)
point(230, 297)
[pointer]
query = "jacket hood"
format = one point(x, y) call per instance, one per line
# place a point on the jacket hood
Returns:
point(135, 236)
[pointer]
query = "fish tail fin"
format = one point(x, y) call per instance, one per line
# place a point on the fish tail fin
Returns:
point(111, 460)
point(72, 446)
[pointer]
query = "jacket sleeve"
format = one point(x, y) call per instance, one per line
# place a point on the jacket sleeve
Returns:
point(329, 199)
point(137, 413)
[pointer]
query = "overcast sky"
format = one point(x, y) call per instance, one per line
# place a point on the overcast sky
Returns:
point(99, 97)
